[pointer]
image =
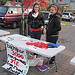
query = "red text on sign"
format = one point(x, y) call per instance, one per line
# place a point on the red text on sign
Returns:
point(15, 62)
point(17, 54)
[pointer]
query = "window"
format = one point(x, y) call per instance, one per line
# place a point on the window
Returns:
point(20, 10)
point(72, 14)
point(30, 10)
point(26, 11)
point(46, 15)
point(3, 9)
point(12, 10)
point(65, 13)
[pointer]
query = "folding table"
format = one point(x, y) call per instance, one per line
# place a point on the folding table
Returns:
point(20, 41)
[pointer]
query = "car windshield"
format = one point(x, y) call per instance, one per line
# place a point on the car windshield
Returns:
point(46, 15)
point(65, 13)
point(3, 9)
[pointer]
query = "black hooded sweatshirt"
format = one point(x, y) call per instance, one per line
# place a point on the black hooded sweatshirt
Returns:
point(54, 25)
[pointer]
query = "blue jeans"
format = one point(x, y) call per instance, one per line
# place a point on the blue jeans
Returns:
point(35, 34)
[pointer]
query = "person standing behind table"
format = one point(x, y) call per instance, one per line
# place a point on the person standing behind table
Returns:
point(35, 20)
point(53, 27)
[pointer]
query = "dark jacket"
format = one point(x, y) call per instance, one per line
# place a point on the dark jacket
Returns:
point(37, 22)
point(54, 25)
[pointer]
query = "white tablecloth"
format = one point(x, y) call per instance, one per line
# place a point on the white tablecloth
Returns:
point(3, 33)
point(20, 41)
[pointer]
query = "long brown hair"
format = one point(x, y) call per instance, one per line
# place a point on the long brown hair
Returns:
point(33, 11)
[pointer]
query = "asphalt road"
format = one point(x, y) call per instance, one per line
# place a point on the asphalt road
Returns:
point(66, 38)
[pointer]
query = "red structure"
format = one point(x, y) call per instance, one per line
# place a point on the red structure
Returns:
point(30, 2)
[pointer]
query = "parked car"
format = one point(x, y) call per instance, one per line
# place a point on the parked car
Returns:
point(11, 15)
point(46, 20)
point(68, 16)
point(46, 16)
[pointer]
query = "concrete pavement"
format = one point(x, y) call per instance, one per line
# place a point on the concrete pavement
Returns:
point(66, 38)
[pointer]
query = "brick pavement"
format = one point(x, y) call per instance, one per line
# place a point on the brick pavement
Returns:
point(62, 59)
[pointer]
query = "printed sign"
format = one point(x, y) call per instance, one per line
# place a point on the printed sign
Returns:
point(17, 61)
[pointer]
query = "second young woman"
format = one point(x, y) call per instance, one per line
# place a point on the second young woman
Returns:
point(54, 26)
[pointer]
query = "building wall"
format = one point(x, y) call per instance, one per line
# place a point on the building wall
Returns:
point(72, 6)
point(64, 1)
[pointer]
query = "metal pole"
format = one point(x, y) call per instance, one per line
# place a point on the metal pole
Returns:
point(22, 18)
point(26, 21)
point(26, 27)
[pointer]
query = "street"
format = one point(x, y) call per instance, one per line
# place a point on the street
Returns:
point(66, 38)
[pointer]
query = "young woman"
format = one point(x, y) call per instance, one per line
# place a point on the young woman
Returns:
point(53, 27)
point(35, 20)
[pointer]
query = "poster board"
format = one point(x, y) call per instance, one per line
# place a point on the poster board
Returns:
point(17, 61)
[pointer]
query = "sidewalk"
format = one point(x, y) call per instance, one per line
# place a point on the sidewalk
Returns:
point(62, 60)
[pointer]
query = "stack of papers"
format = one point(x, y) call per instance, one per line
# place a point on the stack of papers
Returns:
point(43, 68)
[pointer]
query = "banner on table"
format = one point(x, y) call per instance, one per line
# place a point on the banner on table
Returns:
point(17, 61)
